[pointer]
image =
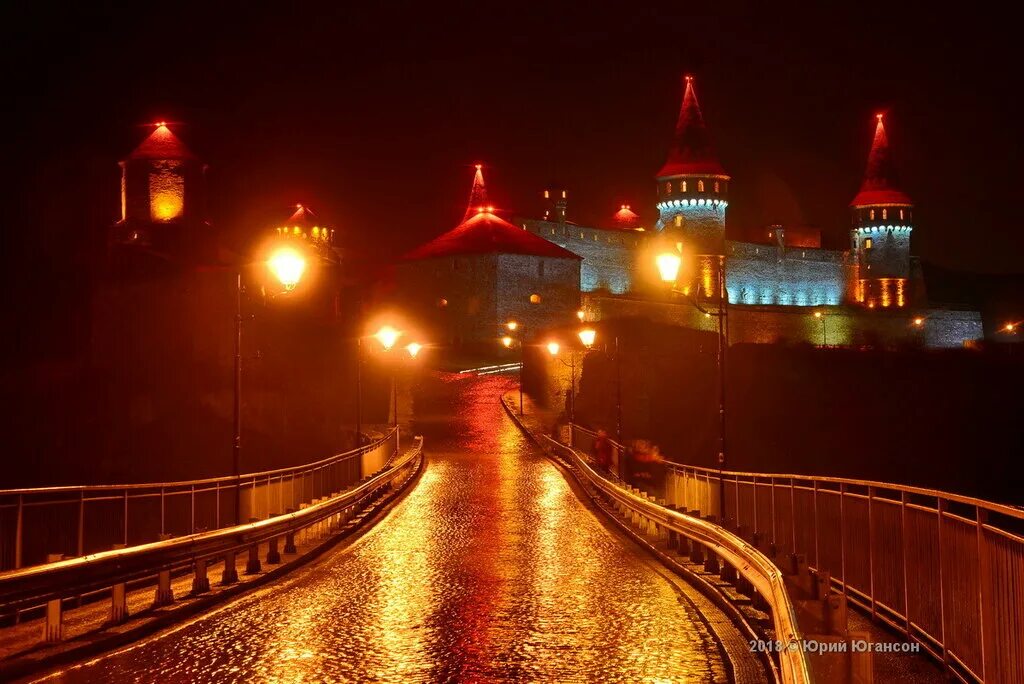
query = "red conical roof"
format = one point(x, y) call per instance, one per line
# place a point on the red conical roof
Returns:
point(162, 144)
point(478, 195)
point(486, 233)
point(625, 217)
point(691, 151)
point(880, 185)
point(302, 217)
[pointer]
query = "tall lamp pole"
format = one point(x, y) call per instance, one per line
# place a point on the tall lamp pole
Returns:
point(507, 341)
point(668, 266)
point(287, 266)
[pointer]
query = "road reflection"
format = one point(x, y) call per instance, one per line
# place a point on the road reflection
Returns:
point(489, 569)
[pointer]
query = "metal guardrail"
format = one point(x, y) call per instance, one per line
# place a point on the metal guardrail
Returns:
point(80, 520)
point(36, 585)
point(945, 570)
point(750, 563)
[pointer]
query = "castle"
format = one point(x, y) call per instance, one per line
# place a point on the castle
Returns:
point(787, 288)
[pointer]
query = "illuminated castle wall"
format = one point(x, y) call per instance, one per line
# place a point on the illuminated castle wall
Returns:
point(776, 279)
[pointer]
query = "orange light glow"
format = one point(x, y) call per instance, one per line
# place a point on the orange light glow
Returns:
point(918, 322)
point(587, 337)
point(512, 325)
point(581, 315)
point(387, 336)
point(817, 314)
point(668, 266)
point(1010, 327)
point(413, 348)
point(166, 190)
point(553, 348)
point(287, 265)
point(507, 341)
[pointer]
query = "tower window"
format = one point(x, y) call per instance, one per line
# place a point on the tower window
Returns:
point(901, 214)
point(885, 214)
point(868, 243)
point(679, 221)
point(871, 215)
point(700, 186)
point(535, 299)
point(682, 186)
point(716, 186)
point(668, 188)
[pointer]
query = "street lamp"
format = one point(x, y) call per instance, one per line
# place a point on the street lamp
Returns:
point(824, 334)
point(587, 337)
point(387, 336)
point(669, 264)
point(507, 341)
point(287, 265)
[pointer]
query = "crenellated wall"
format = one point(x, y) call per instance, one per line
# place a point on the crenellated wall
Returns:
point(609, 255)
point(794, 276)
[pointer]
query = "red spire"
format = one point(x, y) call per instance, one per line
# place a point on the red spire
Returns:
point(880, 185)
point(302, 217)
point(625, 217)
point(162, 144)
point(691, 151)
point(478, 195)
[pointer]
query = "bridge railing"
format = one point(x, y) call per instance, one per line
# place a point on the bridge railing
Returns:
point(748, 562)
point(945, 570)
point(36, 523)
point(50, 583)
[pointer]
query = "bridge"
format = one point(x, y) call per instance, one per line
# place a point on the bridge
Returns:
point(487, 549)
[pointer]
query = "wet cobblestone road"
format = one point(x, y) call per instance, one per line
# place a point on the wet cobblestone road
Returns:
point(489, 569)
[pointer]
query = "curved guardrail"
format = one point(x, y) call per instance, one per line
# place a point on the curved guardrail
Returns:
point(36, 585)
point(945, 570)
point(749, 563)
point(36, 523)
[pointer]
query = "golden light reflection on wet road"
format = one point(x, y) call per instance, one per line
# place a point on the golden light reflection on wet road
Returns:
point(489, 569)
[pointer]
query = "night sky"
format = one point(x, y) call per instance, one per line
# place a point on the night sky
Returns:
point(373, 114)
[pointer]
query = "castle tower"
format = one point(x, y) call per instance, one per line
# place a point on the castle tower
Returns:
point(882, 222)
point(162, 194)
point(693, 188)
point(556, 203)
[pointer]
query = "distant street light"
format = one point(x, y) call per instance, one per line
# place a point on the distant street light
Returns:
point(512, 325)
point(669, 264)
point(918, 322)
point(387, 336)
point(507, 341)
point(1010, 327)
point(587, 337)
point(581, 315)
point(553, 348)
point(824, 332)
point(413, 348)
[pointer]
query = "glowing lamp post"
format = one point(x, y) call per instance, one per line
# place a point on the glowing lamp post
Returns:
point(669, 264)
point(507, 342)
point(387, 336)
point(286, 265)
point(413, 348)
point(824, 333)
point(587, 337)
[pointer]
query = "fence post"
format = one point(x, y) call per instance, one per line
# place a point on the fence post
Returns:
point(126, 517)
point(163, 521)
point(230, 574)
point(192, 513)
point(842, 535)
point(871, 550)
point(252, 565)
point(289, 537)
point(985, 597)
point(940, 510)
point(200, 581)
point(817, 563)
point(164, 593)
point(53, 626)
point(80, 546)
point(903, 546)
point(19, 527)
point(118, 598)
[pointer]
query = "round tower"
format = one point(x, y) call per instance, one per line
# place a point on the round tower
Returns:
point(693, 188)
point(882, 217)
point(162, 192)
